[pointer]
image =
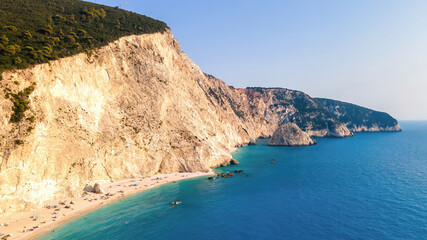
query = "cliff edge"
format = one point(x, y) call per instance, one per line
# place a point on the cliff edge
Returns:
point(135, 107)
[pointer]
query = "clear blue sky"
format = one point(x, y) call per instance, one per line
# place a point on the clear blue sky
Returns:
point(368, 52)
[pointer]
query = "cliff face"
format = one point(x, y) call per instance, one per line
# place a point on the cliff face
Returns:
point(264, 109)
point(138, 106)
point(281, 106)
point(360, 119)
point(133, 108)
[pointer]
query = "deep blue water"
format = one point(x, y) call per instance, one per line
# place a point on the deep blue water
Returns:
point(370, 186)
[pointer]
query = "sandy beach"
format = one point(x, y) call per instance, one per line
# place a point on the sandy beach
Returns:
point(30, 224)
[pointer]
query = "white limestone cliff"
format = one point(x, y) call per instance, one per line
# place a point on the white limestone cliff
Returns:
point(136, 107)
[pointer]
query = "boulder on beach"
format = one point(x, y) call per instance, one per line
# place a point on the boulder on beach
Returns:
point(88, 188)
point(97, 188)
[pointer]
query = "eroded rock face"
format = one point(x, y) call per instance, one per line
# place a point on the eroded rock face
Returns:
point(136, 107)
point(290, 134)
point(264, 109)
point(133, 108)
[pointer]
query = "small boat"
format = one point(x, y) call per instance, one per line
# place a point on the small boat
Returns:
point(176, 203)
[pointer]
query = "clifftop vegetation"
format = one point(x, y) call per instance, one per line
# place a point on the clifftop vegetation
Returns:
point(36, 31)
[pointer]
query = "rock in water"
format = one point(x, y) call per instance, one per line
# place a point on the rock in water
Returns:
point(97, 188)
point(290, 134)
point(234, 162)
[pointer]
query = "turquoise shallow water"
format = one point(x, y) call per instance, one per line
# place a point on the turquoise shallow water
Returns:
point(370, 186)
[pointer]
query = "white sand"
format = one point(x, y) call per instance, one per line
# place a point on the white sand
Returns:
point(18, 224)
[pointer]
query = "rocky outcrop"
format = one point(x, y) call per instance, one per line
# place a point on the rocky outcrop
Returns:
point(234, 162)
point(360, 119)
point(290, 134)
point(136, 107)
point(231, 162)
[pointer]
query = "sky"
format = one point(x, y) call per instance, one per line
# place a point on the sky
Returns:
point(368, 52)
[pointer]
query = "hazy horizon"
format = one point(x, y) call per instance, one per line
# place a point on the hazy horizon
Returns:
point(370, 53)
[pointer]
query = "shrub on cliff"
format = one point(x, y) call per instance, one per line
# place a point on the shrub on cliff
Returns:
point(36, 31)
point(20, 104)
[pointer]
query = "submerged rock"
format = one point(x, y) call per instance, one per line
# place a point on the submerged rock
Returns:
point(225, 175)
point(290, 134)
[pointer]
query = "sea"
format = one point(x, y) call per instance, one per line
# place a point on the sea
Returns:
point(370, 186)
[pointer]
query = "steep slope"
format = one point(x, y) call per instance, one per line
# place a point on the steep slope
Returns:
point(281, 105)
point(136, 107)
point(360, 119)
point(133, 108)
point(269, 108)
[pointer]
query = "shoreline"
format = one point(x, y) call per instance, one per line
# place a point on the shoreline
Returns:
point(48, 219)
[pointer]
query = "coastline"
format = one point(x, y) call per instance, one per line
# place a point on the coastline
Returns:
point(49, 219)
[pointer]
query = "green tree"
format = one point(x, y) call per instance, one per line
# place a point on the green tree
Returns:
point(47, 29)
point(4, 40)
point(60, 28)
point(17, 61)
point(27, 35)
point(10, 50)
point(11, 28)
